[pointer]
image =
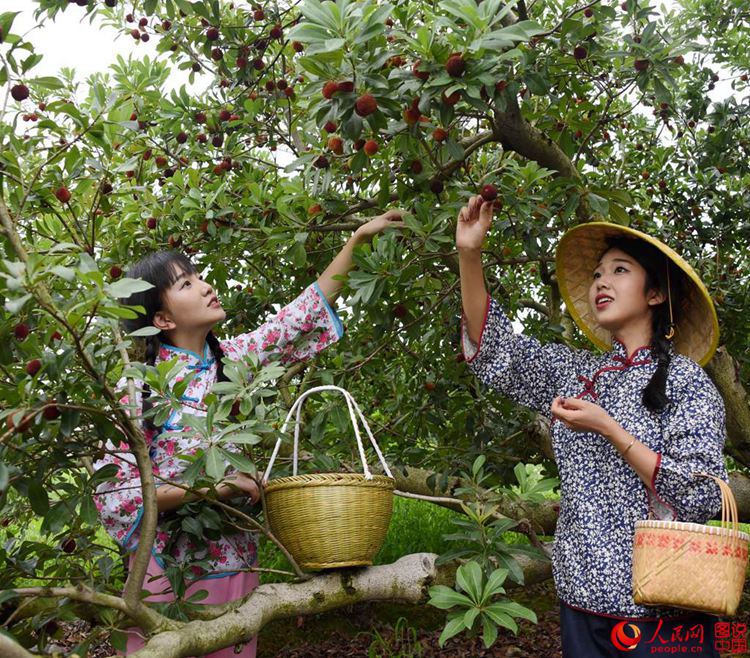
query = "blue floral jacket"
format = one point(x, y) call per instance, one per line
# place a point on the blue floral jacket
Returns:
point(601, 496)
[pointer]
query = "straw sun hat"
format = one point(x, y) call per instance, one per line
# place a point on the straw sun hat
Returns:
point(697, 331)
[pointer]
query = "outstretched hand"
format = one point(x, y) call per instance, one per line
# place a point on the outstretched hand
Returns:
point(389, 219)
point(581, 415)
point(474, 221)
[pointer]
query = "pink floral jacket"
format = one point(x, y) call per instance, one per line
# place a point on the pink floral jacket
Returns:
point(296, 333)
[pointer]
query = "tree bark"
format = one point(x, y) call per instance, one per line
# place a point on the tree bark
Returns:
point(407, 581)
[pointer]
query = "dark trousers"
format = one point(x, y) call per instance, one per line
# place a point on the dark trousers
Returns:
point(587, 635)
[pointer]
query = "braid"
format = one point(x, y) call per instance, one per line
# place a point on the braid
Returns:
point(152, 350)
point(655, 394)
point(215, 345)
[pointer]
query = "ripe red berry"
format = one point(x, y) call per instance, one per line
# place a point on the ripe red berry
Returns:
point(321, 162)
point(212, 33)
point(359, 144)
point(641, 64)
point(181, 137)
point(151, 223)
point(21, 331)
point(217, 54)
point(259, 14)
point(437, 186)
point(115, 272)
point(62, 194)
point(365, 105)
point(33, 367)
point(224, 115)
point(51, 412)
point(69, 545)
point(19, 92)
point(588, 12)
point(200, 117)
point(580, 52)
point(452, 99)
point(400, 311)
point(56, 336)
point(135, 34)
point(489, 193)
point(679, 60)
point(297, 46)
point(276, 31)
point(336, 144)
point(440, 134)
point(422, 75)
point(330, 126)
point(371, 147)
point(330, 88)
point(145, 37)
point(416, 167)
point(347, 86)
point(455, 66)
point(217, 140)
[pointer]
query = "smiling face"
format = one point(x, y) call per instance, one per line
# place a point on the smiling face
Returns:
point(618, 294)
point(189, 305)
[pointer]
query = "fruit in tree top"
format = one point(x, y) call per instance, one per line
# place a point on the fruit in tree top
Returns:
point(224, 115)
point(641, 64)
point(588, 12)
point(212, 33)
point(330, 126)
point(56, 336)
point(399, 310)
point(456, 65)
point(51, 412)
point(346, 86)
point(297, 46)
point(336, 144)
point(151, 223)
point(422, 75)
point(371, 147)
point(321, 162)
point(452, 99)
point(69, 545)
point(181, 137)
point(416, 167)
point(63, 194)
point(200, 117)
point(489, 193)
point(436, 186)
point(115, 271)
point(330, 88)
point(580, 52)
point(679, 60)
point(359, 144)
point(19, 92)
point(365, 105)
point(33, 367)
point(21, 331)
point(276, 31)
point(440, 134)
point(314, 209)
point(259, 14)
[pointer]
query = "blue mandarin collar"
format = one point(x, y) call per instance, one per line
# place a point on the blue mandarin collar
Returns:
point(193, 359)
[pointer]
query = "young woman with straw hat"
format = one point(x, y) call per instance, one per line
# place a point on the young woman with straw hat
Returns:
point(629, 427)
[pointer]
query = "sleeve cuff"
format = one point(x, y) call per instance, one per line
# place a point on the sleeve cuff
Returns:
point(470, 349)
point(335, 319)
point(129, 543)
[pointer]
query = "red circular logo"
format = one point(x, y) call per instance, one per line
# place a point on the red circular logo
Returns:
point(622, 640)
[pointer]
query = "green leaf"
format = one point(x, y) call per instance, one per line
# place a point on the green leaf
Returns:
point(443, 597)
point(38, 497)
point(494, 584)
point(123, 288)
point(489, 631)
point(452, 628)
point(145, 331)
point(469, 578)
point(501, 618)
point(470, 616)
point(214, 464)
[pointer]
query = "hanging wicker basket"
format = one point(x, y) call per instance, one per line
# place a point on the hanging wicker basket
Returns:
point(330, 520)
point(690, 565)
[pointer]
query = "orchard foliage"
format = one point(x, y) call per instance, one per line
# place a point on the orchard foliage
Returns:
point(302, 120)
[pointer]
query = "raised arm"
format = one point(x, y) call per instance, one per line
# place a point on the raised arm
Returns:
point(474, 221)
point(343, 263)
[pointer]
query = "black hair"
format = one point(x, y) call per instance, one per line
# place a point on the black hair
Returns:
point(657, 265)
point(161, 269)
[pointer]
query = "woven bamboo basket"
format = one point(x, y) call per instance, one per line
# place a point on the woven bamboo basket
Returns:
point(330, 520)
point(690, 565)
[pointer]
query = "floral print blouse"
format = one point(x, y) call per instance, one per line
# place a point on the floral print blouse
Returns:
point(296, 333)
point(601, 496)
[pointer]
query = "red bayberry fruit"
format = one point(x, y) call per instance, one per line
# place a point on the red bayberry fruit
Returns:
point(212, 33)
point(151, 223)
point(641, 64)
point(19, 92)
point(371, 147)
point(336, 144)
point(440, 134)
point(329, 126)
point(33, 367)
point(62, 194)
point(422, 75)
point(330, 88)
point(224, 115)
point(455, 66)
point(489, 193)
point(200, 117)
point(580, 52)
point(51, 412)
point(181, 137)
point(365, 105)
point(115, 271)
point(21, 331)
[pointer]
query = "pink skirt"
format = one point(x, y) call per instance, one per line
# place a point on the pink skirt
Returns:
point(220, 590)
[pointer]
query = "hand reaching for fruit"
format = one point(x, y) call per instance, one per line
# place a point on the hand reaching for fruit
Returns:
point(474, 221)
point(389, 219)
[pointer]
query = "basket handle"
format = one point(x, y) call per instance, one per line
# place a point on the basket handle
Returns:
point(353, 407)
point(729, 513)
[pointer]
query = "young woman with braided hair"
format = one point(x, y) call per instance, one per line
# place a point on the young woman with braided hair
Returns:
point(185, 309)
point(629, 425)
